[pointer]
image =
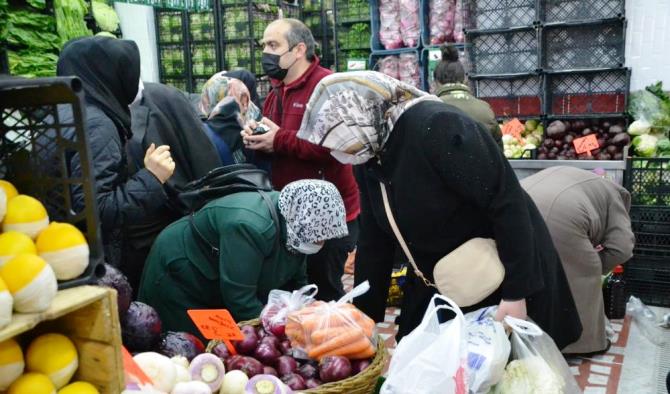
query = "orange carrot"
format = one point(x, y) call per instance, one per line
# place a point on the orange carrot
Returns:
point(320, 336)
point(352, 345)
point(367, 353)
point(336, 343)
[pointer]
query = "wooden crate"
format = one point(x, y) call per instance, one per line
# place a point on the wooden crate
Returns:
point(88, 315)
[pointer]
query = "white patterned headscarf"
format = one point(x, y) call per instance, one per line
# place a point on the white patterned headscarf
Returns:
point(354, 112)
point(314, 212)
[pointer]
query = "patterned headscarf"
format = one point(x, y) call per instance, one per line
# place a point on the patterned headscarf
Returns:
point(219, 89)
point(314, 211)
point(355, 112)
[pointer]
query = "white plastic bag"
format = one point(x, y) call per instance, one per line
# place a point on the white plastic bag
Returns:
point(488, 350)
point(432, 358)
point(538, 367)
point(646, 320)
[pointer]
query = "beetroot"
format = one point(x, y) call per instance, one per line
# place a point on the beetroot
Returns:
point(270, 371)
point(359, 365)
point(124, 293)
point(142, 328)
point(308, 371)
point(286, 365)
point(180, 344)
point(267, 354)
point(249, 365)
point(248, 345)
point(294, 381)
point(232, 361)
point(334, 368)
point(221, 350)
point(312, 383)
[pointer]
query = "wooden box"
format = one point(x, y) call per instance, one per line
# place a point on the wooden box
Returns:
point(88, 315)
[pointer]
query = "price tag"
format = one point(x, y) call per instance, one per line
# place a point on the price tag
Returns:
point(356, 64)
point(514, 128)
point(216, 324)
point(132, 369)
point(586, 144)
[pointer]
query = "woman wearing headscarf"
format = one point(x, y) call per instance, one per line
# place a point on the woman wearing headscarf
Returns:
point(109, 70)
point(256, 252)
point(447, 183)
point(249, 80)
point(587, 217)
point(226, 105)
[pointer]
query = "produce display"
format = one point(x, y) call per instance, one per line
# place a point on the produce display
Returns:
point(33, 42)
point(172, 61)
point(521, 147)
point(353, 11)
point(651, 110)
point(560, 135)
point(105, 16)
point(410, 27)
point(357, 36)
point(48, 364)
point(201, 25)
point(170, 27)
point(239, 55)
point(203, 60)
point(389, 24)
point(236, 21)
point(70, 19)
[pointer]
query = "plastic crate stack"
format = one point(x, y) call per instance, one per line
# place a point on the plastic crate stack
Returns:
point(318, 16)
point(647, 274)
point(562, 59)
point(187, 47)
point(352, 34)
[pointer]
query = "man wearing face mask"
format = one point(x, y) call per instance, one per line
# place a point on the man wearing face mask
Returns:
point(289, 59)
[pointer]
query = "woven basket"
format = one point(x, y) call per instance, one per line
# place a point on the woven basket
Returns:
point(362, 383)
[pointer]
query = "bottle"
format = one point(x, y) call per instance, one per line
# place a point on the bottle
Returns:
point(615, 294)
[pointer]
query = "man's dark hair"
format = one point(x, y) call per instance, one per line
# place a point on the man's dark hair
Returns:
point(298, 33)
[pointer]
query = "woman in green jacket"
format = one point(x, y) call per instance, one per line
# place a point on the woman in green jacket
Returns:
point(449, 77)
point(181, 274)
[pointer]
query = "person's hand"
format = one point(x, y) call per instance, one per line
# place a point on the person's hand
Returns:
point(511, 308)
point(599, 248)
point(159, 162)
point(260, 142)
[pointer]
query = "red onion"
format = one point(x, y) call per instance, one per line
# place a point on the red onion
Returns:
point(334, 368)
point(286, 365)
point(312, 383)
point(359, 365)
point(267, 354)
point(294, 381)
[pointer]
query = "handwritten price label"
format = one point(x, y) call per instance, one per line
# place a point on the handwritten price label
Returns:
point(216, 324)
point(514, 128)
point(586, 144)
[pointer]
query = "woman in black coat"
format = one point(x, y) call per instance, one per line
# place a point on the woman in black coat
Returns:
point(448, 182)
point(109, 70)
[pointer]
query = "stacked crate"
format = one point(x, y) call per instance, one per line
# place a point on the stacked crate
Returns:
point(352, 34)
point(318, 16)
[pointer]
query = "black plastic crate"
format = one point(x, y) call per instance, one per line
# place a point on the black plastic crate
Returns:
point(648, 181)
point(648, 278)
point(650, 219)
point(203, 62)
point(172, 62)
point(178, 83)
point(499, 14)
point(170, 26)
point(4, 62)
point(503, 52)
point(552, 11)
point(375, 43)
point(583, 46)
point(244, 54)
point(35, 150)
point(290, 10)
point(512, 96)
point(247, 21)
point(202, 26)
point(587, 92)
point(354, 36)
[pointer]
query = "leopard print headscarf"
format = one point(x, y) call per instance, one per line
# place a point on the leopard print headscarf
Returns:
point(313, 210)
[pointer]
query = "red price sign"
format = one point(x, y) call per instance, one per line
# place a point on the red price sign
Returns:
point(132, 369)
point(514, 128)
point(216, 324)
point(586, 144)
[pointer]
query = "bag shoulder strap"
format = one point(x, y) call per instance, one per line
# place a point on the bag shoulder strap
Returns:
point(401, 240)
point(211, 251)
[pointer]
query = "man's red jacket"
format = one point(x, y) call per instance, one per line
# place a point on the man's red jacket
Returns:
point(296, 159)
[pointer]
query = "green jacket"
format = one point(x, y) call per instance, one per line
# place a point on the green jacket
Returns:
point(458, 95)
point(178, 275)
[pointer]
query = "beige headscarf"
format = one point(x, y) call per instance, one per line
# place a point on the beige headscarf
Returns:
point(353, 113)
point(219, 89)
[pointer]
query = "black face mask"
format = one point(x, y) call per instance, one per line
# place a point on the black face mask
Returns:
point(271, 67)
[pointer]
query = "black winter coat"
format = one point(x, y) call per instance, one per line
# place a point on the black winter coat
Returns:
point(448, 182)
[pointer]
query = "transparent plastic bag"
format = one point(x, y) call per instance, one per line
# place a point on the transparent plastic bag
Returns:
point(408, 69)
point(410, 28)
point(646, 321)
point(389, 24)
point(333, 328)
point(389, 65)
point(281, 303)
point(432, 359)
point(441, 21)
point(538, 367)
point(488, 350)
